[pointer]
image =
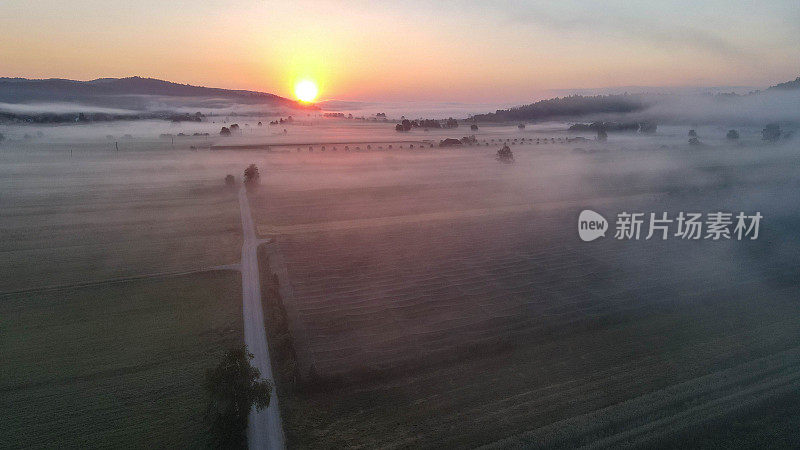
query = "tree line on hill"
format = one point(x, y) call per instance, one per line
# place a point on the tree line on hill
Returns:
point(571, 106)
point(84, 117)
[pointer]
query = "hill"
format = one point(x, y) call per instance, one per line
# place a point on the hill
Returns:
point(778, 102)
point(786, 86)
point(132, 93)
point(571, 106)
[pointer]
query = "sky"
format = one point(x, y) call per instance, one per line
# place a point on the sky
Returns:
point(469, 51)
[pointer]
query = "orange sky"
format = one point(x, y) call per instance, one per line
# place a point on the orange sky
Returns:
point(454, 51)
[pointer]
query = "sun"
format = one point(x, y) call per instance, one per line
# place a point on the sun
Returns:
point(306, 91)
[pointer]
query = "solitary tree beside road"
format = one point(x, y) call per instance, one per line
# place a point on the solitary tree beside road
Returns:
point(234, 387)
point(251, 175)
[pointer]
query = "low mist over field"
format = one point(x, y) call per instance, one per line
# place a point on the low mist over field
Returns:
point(405, 271)
point(437, 225)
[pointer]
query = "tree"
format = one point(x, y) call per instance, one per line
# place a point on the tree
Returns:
point(692, 133)
point(648, 127)
point(505, 155)
point(732, 135)
point(771, 132)
point(230, 180)
point(450, 142)
point(451, 123)
point(521, 126)
point(234, 388)
point(473, 127)
point(405, 125)
point(224, 131)
point(469, 140)
point(251, 175)
point(602, 136)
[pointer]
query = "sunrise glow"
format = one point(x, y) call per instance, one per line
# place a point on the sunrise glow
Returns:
point(306, 91)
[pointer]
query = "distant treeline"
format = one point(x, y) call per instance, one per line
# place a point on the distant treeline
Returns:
point(572, 106)
point(643, 127)
point(9, 117)
point(407, 125)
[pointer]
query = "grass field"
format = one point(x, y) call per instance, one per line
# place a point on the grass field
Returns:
point(423, 298)
point(428, 326)
point(114, 364)
point(96, 352)
point(98, 216)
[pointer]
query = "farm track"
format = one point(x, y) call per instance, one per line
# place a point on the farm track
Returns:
point(264, 430)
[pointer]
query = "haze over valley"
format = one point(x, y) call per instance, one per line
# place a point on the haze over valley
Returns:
point(314, 225)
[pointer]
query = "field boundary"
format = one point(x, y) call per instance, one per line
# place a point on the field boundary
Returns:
point(57, 287)
point(277, 267)
point(338, 225)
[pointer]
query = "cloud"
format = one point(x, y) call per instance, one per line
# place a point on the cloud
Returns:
point(636, 26)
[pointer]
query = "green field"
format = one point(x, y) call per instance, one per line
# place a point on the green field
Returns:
point(114, 364)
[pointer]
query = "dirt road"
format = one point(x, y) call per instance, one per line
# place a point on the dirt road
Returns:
point(264, 429)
